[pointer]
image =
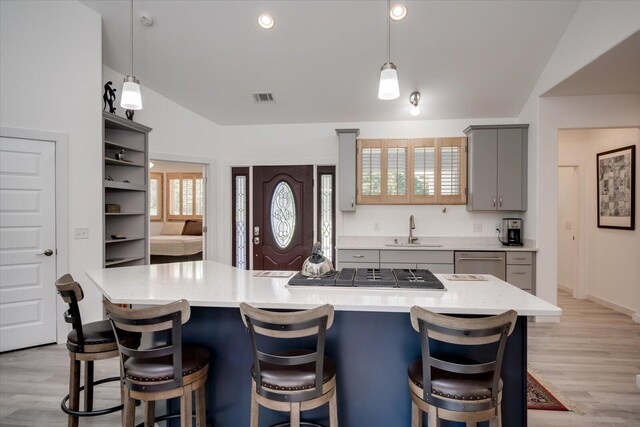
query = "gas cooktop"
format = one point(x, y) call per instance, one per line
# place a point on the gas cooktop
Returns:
point(373, 278)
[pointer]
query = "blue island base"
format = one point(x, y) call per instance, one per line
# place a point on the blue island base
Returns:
point(372, 352)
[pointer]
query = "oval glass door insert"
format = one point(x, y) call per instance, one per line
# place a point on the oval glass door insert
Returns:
point(283, 214)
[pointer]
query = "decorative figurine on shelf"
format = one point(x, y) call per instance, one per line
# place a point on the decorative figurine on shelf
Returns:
point(120, 155)
point(129, 114)
point(109, 97)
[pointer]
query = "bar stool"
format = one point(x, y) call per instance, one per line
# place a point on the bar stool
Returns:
point(165, 370)
point(450, 387)
point(86, 343)
point(291, 380)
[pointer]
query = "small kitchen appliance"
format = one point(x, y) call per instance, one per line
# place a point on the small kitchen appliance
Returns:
point(317, 265)
point(511, 232)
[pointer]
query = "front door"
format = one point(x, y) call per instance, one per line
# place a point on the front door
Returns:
point(282, 216)
point(27, 243)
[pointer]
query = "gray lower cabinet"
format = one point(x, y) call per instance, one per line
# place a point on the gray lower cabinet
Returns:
point(497, 168)
point(435, 261)
point(520, 270)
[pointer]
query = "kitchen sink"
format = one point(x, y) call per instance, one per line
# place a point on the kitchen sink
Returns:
point(412, 245)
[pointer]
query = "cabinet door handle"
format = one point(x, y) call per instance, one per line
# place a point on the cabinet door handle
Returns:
point(358, 256)
point(500, 201)
point(479, 259)
point(519, 258)
point(519, 273)
point(351, 202)
point(494, 201)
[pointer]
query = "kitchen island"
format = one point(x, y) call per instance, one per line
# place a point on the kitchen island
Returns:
point(372, 340)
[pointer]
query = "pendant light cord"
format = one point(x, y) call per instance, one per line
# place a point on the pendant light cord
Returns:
point(132, 38)
point(388, 31)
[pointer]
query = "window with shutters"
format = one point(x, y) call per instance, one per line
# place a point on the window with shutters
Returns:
point(155, 196)
point(416, 171)
point(185, 196)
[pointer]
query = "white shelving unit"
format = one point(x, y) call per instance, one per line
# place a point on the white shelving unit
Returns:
point(125, 173)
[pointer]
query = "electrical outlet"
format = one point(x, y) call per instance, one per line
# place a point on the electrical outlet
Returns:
point(376, 226)
point(81, 233)
point(477, 228)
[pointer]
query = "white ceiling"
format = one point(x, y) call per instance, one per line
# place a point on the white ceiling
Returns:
point(469, 59)
point(616, 71)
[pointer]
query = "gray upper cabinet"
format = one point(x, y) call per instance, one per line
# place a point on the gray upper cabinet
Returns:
point(497, 168)
point(347, 168)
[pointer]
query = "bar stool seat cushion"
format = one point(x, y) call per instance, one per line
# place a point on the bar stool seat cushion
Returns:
point(194, 358)
point(299, 377)
point(98, 333)
point(454, 386)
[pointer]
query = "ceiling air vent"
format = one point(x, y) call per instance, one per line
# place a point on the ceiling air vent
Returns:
point(263, 97)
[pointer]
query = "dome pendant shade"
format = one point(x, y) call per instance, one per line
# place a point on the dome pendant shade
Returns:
point(131, 98)
point(389, 88)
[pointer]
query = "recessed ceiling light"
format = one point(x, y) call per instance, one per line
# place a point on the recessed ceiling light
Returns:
point(266, 21)
point(398, 12)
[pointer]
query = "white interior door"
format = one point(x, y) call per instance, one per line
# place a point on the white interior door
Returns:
point(568, 191)
point(27, 243)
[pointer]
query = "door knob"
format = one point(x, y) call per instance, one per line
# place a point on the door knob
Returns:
point(47, 252)
point(256, 240)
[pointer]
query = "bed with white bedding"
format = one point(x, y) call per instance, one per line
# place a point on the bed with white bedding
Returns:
point(177, 242)
point(170, 245)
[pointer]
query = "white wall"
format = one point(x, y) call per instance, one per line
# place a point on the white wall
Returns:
point(50, 67)
point(318, 144)
point(596, 27)
point(176, 130)
point(612, 268)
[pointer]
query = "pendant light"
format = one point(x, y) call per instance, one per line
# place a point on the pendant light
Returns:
point(389, 88)
point(131, 98)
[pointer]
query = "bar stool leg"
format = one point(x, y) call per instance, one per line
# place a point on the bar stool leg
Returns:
point(333, 409)
point(149, 413)
point(88, 385)
point(129, 411)
point(499, 417)
point(185, 407)
point(416, 415)
point(255, 410)
point(201, 410)
point(433, 417)
point(74, 388)
point(294, 419)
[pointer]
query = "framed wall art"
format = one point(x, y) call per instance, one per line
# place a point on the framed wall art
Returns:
point(616, 170)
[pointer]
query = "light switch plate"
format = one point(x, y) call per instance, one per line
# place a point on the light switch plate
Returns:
point(81, 233)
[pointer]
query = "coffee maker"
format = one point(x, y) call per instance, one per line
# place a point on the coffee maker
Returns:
point(511, 232)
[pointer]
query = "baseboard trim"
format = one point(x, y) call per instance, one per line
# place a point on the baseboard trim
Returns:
point(565, 288)
point(613, 306)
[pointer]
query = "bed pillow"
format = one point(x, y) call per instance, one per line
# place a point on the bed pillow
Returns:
point(192, 228)
point(172, 228)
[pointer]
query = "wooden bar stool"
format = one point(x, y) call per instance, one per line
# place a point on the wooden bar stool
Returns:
point(291, 380)
point(165, 370)
point(86, 343)
point(450, 387)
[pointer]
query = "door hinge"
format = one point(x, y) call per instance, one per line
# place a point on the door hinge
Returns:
point(204, 228)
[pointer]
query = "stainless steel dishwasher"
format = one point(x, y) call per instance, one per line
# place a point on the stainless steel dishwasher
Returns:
point(481, 263)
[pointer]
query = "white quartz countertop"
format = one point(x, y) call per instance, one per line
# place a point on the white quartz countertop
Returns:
point(432, 244)
point(211, 284)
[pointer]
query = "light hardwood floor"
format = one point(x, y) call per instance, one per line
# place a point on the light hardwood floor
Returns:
point(592, 357)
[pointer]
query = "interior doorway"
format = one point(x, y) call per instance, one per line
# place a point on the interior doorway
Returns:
point(177, 211)
point(568, 222)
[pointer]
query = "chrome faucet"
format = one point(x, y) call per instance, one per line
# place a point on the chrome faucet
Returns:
point(412, 226)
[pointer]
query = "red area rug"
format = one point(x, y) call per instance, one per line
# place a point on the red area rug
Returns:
point(539, 396)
